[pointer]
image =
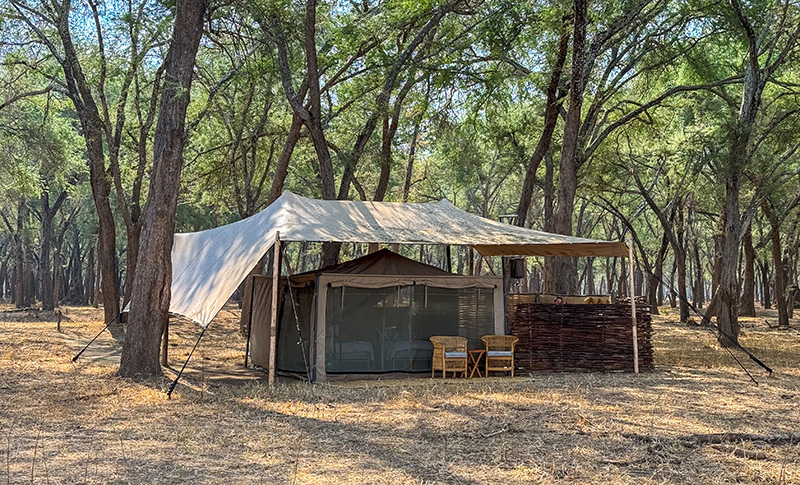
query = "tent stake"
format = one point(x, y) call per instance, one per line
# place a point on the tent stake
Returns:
point(632, 293)
point(273, 324)
point(74, 359)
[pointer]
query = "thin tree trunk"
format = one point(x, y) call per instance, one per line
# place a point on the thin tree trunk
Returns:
point(282, 167)
point(699, 284)
point(548, 270)
point(88, 288)
point(412, 153)
point(654, 297)
point(777, 263)
point(545, 139)
point(151, 286)
point(747, 306)
point(76, 269)
point(45, 241)
point(766, 301)
point(672, 295)
point(19, 257)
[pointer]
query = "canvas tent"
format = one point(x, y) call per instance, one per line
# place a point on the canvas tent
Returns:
point(372, 315)
point(207, 266)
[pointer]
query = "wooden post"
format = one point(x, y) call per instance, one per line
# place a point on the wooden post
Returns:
point(273, 324)
point(632, 292)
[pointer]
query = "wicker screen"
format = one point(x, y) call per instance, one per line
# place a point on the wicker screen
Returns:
point(373, 330)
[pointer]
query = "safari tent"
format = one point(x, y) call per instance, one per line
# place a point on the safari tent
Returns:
point(371, 315)
point(208, 266)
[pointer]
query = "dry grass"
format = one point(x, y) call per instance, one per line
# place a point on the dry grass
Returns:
point(68, 423)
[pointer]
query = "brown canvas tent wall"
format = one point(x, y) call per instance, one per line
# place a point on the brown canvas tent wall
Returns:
point(371, 315)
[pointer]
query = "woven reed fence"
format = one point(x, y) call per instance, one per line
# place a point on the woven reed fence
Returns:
point(578, 337)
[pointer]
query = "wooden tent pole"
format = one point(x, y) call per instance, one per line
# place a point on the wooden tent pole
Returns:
point(273, 324)
point(632, 293)
point(250, 318)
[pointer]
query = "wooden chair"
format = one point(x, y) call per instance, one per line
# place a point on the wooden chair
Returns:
point(500, 352)
point(449, 355)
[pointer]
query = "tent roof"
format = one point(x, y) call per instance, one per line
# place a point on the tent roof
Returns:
point(383, 262)
point(207, 266)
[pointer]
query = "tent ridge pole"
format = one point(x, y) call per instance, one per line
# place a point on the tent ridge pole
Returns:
point(632, 293)
point(273, 324)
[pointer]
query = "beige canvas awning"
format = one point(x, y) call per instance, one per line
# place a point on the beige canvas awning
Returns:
point(207, 266)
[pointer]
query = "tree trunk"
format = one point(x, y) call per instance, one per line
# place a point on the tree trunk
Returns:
point(388, 130)
point(45, 240)
point(747, 306)
point(591, 288)
point(58, 267)
point(24, 286)
point(19, 258)
point(134, 232)
point(672, 295)
point(548, 269)
point(282, 167)
point(75, 294)
point(565, 269)
point(653, 296)
point(766, 301)
point(412, 153)
point(543, 145)
point(3, 275)
point(777, 263)
point(88, 288)
point(92, 128)
point(699, 285)
point(683, 303)
point(151, 286)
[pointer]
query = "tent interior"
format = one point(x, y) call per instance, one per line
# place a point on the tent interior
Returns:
point(371, 315)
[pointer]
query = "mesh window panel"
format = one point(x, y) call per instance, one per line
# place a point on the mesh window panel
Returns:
point(373, 330)
point(291, 345)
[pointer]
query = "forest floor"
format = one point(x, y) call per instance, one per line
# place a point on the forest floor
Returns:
point(78, 423)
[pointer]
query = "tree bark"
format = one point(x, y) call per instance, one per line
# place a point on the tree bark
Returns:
point(151, 286)
point(45, 245)
point(699, 285)
point(75, 294)
point(564, 270)
point(92, 128)
point(88, 288)
point(658, 274)
point(766, 301)
point(777, 262)
point(45, 241)
point(545, 139)
point(282, 167)
point(19, 256)
point(747, 305)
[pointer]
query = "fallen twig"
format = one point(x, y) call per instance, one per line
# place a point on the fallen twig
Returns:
point(741, 452)
point(622, 462)
point(719, 438)
point(495, 433)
